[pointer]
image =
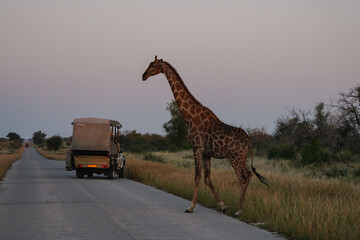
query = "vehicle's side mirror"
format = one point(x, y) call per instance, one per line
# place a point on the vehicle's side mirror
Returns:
point(121, 150)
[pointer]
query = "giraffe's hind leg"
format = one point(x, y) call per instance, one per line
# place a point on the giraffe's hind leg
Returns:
point(198, 158)
point(208, 182)
point(244, 175)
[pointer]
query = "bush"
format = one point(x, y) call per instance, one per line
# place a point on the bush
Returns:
point(357, 172)
point(134, 142)
point(314, 153)
point(344, 156)
point(281, 151)
point(260, 140)
point(335, 172)
point(173, 148)
point(54, 143)
point(15, 145)
point(153, 158)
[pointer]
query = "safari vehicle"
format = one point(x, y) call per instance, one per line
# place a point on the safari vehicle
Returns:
point(96, 148)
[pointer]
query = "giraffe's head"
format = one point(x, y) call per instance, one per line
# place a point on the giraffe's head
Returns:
point(154, 68)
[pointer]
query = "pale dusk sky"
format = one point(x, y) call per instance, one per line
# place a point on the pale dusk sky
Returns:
point(248, 61)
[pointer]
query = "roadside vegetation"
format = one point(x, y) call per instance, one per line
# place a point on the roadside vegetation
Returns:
point(10, 151)
point(54, 148)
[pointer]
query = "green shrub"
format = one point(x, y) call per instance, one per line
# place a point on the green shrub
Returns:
point(345, 155)
point(357, 172)
point(153, 158)
point(336, 172)
point(281, 151)
point(185, 164)
point(134, 142)
point(314, 153)
point(54, 143)
point(135, 149)
point(173, 148)
point(15, 145)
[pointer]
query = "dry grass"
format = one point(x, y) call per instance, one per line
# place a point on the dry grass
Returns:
point(296, 206)
point(8, 156)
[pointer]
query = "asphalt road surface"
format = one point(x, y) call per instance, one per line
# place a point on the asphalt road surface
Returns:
point(40, 200)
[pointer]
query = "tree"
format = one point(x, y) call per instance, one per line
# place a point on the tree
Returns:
point(295, 129)
point(321, 120)
point(326, 127)
point(39, 137)
point(13, 136)
point(135, 142)
point(176, 128)
point(349, 106)
point(260, 140)
point(54, 143)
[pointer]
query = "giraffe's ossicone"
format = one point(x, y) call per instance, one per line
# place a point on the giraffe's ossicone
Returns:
point(208, 136)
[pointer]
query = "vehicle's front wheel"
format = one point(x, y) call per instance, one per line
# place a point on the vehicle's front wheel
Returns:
point(111, 174)
point(121, 172)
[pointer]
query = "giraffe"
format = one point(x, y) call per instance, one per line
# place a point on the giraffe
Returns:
point(208, 136)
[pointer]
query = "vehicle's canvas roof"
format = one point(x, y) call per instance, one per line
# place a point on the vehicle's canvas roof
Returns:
point(97, 121)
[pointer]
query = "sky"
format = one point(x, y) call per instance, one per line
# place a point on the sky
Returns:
point(249, 61)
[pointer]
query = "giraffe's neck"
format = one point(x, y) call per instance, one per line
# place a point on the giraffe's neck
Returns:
point(182, 95)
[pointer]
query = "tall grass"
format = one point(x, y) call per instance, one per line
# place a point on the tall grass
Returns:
point(298, 207)
point(6, 160)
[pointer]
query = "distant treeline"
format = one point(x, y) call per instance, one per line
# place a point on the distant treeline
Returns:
point(329, 132)
point(132, 141)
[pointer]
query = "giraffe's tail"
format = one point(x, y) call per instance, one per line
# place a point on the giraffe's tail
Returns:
point(261, 178)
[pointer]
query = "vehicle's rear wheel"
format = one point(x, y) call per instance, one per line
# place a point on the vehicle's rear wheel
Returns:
point(79, 174)
point(121, 172)
point(111, 174)
point(90, 174)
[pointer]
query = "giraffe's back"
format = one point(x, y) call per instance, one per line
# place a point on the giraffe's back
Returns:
point(224, 140)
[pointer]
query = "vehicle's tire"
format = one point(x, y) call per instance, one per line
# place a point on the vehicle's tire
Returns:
point(79, 174)
point(111, 174)
point(90, 174)
point(121, 172)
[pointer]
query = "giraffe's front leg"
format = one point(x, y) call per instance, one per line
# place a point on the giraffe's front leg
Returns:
point(198, 158)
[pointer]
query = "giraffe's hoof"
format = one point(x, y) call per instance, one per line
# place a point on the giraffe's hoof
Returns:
point(188, 211)
point(224, 209)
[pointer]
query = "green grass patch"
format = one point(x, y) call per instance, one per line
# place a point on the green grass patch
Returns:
point(153, 158)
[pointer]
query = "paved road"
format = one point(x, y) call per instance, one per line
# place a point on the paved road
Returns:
point(40, 200)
